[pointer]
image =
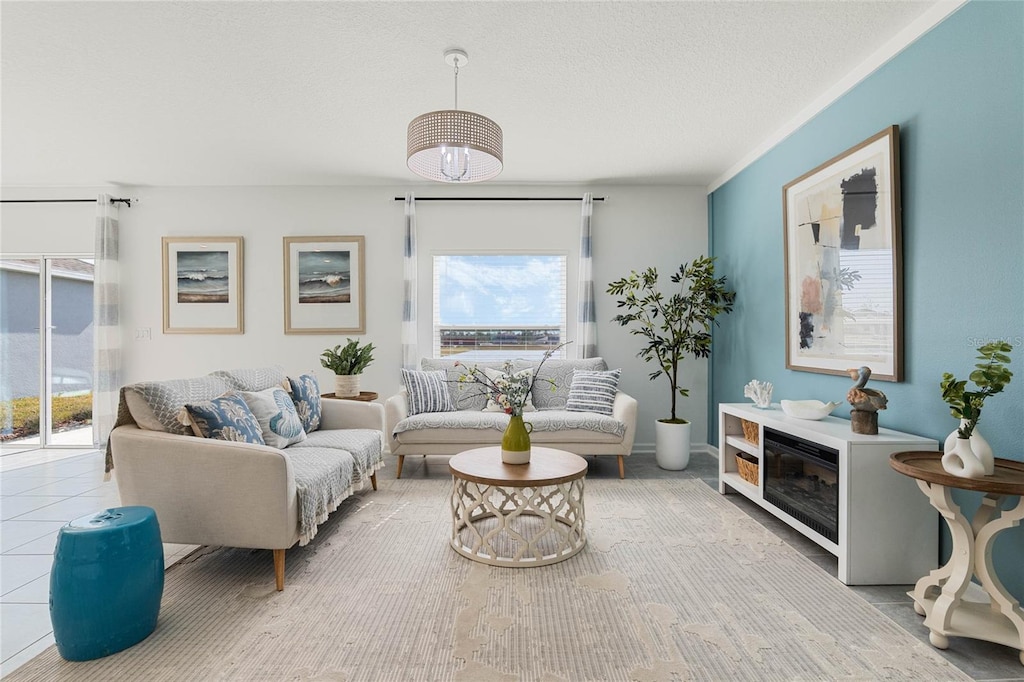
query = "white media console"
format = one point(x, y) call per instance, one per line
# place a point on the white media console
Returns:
point(885, 532)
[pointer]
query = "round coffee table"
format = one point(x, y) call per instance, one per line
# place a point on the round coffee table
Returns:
point(517, 515)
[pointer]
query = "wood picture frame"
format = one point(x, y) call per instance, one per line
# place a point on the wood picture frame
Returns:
point(843, 262)
point(325, 285)
point(203, 285)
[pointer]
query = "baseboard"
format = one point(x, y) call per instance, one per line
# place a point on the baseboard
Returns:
point(648, 449)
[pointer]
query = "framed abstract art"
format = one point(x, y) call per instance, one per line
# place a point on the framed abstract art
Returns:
point(841, 222)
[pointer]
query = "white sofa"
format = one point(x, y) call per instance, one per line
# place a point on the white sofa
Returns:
point(449, 433)
point(216, 492)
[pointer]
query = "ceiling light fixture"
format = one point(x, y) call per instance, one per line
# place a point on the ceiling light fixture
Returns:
point(453, 145)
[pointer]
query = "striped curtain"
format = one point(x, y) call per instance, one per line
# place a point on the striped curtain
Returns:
point(586, 329)
point(106, 323)
point(410, 351)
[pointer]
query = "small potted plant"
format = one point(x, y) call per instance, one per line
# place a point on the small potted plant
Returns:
point(990, 376)
point(347, 363)
point(675, 327)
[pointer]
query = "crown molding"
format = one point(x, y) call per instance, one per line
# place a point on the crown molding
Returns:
point(931, 18)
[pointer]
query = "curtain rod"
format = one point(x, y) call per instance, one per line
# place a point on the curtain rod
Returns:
point(127, 202)
point(499, 198)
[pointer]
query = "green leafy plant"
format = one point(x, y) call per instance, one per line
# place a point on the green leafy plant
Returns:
point(677, 325)
point(990, 376)
point(347, 360)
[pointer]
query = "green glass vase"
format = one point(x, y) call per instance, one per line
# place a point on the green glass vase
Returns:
point(515, 444)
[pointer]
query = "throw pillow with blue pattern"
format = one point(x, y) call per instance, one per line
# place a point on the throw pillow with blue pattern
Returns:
point(277, 417)
point(306, 397)
point(225, 418)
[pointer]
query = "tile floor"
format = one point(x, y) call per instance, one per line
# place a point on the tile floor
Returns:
point(42, 490)
point(45, 489)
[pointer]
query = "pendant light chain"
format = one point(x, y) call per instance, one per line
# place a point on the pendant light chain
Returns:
point(456, 82)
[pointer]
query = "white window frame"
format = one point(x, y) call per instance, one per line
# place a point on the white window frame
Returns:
point(435, 336)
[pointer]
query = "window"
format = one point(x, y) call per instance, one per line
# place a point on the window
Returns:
point(498, 306)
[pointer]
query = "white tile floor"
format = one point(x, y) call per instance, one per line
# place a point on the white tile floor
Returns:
point(41, 491)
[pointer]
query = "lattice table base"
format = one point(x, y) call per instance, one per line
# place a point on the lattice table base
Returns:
point(517, 526)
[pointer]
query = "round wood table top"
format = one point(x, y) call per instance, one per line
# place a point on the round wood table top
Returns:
point(547, 466)
point(1008, 478)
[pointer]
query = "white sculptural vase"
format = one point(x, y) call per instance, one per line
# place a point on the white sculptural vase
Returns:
point(961, 460)
point(982, 450)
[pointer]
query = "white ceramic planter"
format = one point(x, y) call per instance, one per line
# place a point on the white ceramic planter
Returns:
point(982, 450)
point(672, 445)
point(346, 385)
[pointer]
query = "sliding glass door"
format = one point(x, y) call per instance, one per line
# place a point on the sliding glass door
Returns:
point(46, 352)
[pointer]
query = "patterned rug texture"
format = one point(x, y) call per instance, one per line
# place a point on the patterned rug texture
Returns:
point(675, 583)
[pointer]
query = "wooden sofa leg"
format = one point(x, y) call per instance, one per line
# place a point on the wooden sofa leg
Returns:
point(401, 461)
point(622, 466)
point(373, 480)
point(279, 568)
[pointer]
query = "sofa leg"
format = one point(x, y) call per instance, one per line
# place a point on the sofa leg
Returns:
point(279, 568)
point(622, 466)
point(373, 480)
point(401, 461)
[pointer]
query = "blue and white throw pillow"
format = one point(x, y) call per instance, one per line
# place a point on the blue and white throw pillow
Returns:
point(225, 418)
point(428, 391)
point(306, 396)
point(593, 391)
point(277, 417)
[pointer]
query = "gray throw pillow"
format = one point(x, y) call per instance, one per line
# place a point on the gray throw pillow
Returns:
point(593, 391)
point(428, 391)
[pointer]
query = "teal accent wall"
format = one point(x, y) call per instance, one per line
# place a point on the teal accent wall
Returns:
point(957, 95)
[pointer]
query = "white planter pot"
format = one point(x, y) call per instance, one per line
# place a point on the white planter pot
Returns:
point(346, 385)
point(672, 445)
point(982, 450)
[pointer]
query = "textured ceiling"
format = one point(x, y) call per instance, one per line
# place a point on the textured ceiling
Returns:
point(296, 93)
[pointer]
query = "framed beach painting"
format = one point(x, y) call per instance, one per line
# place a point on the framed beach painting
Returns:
point(202, 285)
point(842, 248)
point(324, 285)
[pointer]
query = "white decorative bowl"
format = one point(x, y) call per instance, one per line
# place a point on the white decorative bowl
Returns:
point(807, 409)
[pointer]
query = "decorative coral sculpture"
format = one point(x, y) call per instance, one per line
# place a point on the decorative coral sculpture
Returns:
point(760, 392)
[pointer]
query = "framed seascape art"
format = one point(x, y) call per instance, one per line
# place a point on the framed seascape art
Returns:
point(202, 285)
point(324, 285)
point(843, 286)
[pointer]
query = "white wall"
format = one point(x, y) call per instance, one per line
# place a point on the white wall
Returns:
point(636, 227)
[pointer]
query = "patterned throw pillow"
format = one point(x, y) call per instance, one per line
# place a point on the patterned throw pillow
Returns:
point(306, 396)
point(593, 391)
point(225, 418)
point(524, 376)
point(276, 414)
point(428, 391)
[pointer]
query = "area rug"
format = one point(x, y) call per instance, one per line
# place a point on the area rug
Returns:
point(676, 583)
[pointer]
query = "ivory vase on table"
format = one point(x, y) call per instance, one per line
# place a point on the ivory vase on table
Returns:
point(982, 450)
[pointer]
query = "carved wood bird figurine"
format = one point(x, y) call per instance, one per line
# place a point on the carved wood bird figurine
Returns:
point(865, 399)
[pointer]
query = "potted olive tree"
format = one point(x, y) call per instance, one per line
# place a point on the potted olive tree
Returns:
point(674, 326)
point(347, 363)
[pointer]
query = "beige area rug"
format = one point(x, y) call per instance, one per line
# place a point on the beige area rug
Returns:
point(676, 583)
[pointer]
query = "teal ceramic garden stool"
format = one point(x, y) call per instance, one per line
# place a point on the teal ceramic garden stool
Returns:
point(106, 582)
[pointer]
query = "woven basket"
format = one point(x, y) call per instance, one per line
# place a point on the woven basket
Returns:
point(750, 430)
point(747, 470)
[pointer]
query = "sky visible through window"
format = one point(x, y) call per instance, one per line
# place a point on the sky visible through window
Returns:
point(500, 290)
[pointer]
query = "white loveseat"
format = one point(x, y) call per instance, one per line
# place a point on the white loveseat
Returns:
point(216, 492)
point(449, 433)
